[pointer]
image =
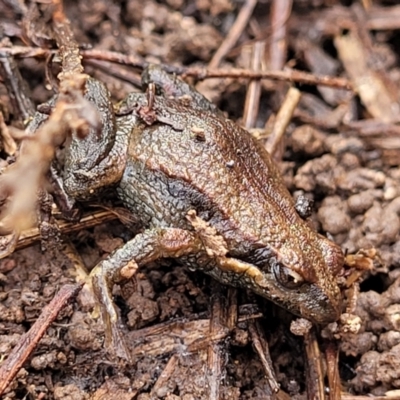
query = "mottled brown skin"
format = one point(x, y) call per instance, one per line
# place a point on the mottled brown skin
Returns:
point(189, 157)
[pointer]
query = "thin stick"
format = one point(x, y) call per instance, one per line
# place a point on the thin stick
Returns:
point(17, 88)
point(262, 350)
point(30, 236)
point(29, 340)
point(234, 33)
point(332, 363)
point(288, 75)
point(283, 118)
point(253, 94)
point(216, 350)
point(165, 375)
point(280, 13)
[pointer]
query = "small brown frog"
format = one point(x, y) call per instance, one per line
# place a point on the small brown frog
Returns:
point(207, 194)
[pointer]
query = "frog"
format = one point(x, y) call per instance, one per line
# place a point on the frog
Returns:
point(206, 193)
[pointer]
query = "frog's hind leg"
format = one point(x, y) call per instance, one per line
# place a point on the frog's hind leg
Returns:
point(148, 246)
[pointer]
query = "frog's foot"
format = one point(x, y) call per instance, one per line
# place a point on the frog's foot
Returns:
point(114, 340)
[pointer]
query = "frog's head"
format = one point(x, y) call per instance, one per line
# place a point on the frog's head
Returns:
point(84, 173)
point(300, 275)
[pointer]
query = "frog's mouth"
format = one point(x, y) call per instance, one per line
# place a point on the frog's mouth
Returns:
point(308, 301)
point(320, 308)
point(321, 305)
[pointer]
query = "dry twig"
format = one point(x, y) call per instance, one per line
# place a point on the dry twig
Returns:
point(234, 33)
point(288, 75)
point(261, 347)
point(29, 340)
point(283, 119)
point(25, 178)
point(253, 94)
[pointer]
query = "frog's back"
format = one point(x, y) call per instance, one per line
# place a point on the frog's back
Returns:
point(193, 159)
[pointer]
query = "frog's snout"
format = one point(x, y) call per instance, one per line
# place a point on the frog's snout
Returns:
point(322, 310)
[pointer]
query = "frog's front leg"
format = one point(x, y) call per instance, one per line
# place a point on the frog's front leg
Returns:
point(122, 264)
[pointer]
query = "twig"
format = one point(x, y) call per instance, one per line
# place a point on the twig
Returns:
point(332, 370)
point(315, 381)
point(165, 375)
point(283, 119)
point(25, 178)
point(191, 333)
point(234, 33)
point(372, 83)
point(10, 147)
point(69, 49)
point(17, 88)
point(29, 340)
point(280, 13)
point(354, 397)
point(25, 52)
point(232, 309)
point(288, 75)
point(116, 70)
point(30, 236)
point(253, 94)
point(261, 347)
point(215, 351)
point(314, 373)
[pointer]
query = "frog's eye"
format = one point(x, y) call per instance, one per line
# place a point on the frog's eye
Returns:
point(286, 277)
